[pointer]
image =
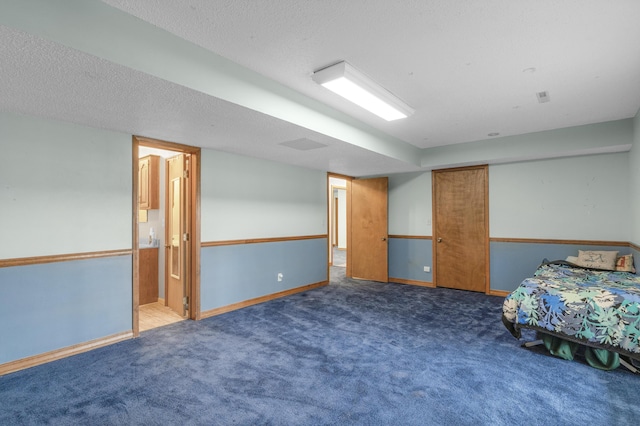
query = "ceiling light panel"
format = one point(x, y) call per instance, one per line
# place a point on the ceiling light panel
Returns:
point(356, 87)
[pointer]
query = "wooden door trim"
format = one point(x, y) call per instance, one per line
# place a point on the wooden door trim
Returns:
point(261, 240)
point(434, 242)
point(194, 232)
point(135, 326)
point(68, 257)
point(571, 242)
point(434, 226)
point(487, 246)
point(348, 269)
point(194, 223)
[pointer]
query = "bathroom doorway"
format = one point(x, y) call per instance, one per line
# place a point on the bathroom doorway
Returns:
point(166, 233)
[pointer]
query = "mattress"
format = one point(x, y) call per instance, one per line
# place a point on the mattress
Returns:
point(599, 309)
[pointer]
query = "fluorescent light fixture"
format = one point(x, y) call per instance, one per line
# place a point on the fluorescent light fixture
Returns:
point(351, 84)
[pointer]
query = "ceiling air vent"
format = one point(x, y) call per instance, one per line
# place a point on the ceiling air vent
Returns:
point(543, 97)
point(303, 144)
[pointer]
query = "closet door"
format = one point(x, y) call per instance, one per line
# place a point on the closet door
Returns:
point(461, 228)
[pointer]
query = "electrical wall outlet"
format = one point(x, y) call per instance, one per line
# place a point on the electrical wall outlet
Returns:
point(280, 276)
point(427, 268)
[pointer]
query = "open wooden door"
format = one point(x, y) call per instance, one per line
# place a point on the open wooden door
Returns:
point(177, 237)
point(461, 228)
point(368, 250)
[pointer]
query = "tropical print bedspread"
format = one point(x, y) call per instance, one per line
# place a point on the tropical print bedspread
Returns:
point(597, 308)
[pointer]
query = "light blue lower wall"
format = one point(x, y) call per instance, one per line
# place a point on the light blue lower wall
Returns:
point(50, 306)
point(408, 257)
point(512, 262)
point(235, 273)
point(636, 259)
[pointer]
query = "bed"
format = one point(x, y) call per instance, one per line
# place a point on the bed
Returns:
point(578, 309)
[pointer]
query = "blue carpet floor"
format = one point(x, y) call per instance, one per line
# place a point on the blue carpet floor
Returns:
point(350, 353)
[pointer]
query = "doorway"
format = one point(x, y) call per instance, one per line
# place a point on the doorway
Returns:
point(461, 228)
point(365, 226)
point(166, 233)
point(337, 221)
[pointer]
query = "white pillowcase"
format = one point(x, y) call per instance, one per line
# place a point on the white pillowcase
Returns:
point(597, 259)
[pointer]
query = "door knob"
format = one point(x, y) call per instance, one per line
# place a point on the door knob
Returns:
point(384, 239)
point(439, 240)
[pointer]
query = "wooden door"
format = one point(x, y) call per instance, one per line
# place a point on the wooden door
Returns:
point(367, 247)
point(176, 234)
point(461, 228)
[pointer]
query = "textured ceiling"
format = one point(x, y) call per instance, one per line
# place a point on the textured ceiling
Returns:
point(469, 68)
point(43, 78)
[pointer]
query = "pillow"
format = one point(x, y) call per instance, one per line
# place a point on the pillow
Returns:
point(625, 263)
point(572, 259)
point(597, 259)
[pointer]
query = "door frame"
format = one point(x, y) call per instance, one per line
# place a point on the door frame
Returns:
point(194, 225)
point(434, 243)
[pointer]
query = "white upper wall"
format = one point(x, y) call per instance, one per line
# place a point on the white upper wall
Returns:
point(588, 197)
point(64, 188)
point(580, 198)
point(246, 197)
point(410, 204)
point(600, 138)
